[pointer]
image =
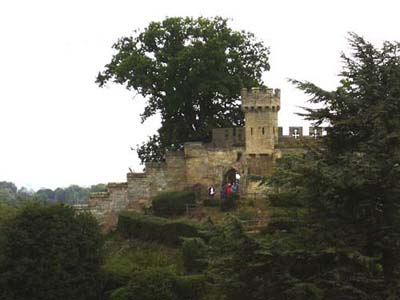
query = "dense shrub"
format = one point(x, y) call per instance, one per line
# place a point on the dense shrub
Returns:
point(285, 199)
point(211, 202)
point(284, 224)
point(192, 286)
point(151, 228)
point(50, 252)
point(229, 202)
point(159, 284)
point(119, 294)
point(245, 214)
point(193, 253)
point(173, 203)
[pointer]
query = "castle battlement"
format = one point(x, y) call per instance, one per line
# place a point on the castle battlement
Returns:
point(117, 185)
point(261, 99)
point(249, 151)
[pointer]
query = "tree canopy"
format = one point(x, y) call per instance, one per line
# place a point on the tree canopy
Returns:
point(50, 252)
point(351, 183)
point(191, 72)
point(72, 194)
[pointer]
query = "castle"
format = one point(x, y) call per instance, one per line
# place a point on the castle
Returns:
point(247, 153)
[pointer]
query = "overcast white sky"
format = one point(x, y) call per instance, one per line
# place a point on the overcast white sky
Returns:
point(57, 127)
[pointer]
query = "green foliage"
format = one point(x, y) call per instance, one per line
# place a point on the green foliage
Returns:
point(119, 294)
point(5, 185)
point(288, 198)
point(280, 266)
point(7, 212)
point(73, 194)
point(191, 71)
point(151, 228)
point(211, 202)
point(124, 257)
point(229, 202)
point(350, 182)
point(304, 291)
point(156, 284)
point(98, 188)
point(251, 202)
point(173, 203)
point(245, 214)
point(193, 253)
point(50, 253)
point(8, 192)
point(230, 250)
point(193, 286)
point(334, 221)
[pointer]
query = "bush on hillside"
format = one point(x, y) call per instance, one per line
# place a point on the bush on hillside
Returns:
point(229, 202)
point(50, 252)
point(151, 228)
point(159, 284)
point(285, 199)
point(211, 202)
point(173, 203)
point(193, 253)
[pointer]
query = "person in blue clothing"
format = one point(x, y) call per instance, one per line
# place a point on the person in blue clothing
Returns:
point(234, 187)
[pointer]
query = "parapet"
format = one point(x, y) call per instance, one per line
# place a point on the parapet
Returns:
point(296, 132)
point(136, 175)
point(261, 98)
point(228, 137)
point(117, 185)
point(99, 195)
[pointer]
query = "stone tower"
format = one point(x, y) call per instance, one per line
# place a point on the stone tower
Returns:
point(261, 106)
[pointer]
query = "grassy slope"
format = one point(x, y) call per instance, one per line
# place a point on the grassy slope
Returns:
point(126, 256)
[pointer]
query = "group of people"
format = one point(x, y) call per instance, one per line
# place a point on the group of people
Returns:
point(226, 189)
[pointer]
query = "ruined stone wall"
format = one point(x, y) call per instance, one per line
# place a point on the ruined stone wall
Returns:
point(176, 171)
point(207, 165)
point(106, 205)
point(158, 177)
point(228, 137)
point(138, 186)
point(115, 199)
point(251, 151)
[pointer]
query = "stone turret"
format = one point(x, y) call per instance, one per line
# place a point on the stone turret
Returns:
point(261, 106)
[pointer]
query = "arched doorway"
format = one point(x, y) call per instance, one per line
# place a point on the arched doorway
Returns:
point(232, 176)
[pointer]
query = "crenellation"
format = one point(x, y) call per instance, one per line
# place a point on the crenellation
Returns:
point(100, 195)
point(116, 185)
point(249, 151)
point(132, 175)
point(260, 99)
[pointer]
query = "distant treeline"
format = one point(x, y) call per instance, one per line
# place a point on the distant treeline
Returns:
point(73, 194)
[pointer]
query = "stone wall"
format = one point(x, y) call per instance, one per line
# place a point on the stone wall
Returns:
point(260, 165)
point(249, 151)
point(228, 137)
point(157, 177)
point(106, 205)
point(261, 108)
point(207, 165)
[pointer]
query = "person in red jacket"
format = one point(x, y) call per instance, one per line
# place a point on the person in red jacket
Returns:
point(228, 189)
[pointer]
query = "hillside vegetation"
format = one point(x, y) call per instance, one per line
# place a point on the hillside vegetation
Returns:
point(331, 231)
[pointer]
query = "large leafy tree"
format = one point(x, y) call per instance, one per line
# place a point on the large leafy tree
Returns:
point(352, 182)
point(50, 252)
point(191, 71)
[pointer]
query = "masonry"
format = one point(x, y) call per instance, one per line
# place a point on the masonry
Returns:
point(248, 153)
